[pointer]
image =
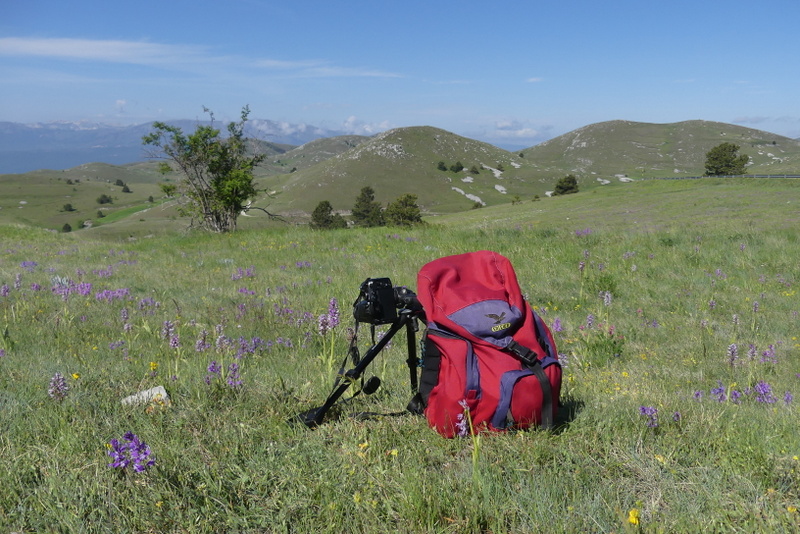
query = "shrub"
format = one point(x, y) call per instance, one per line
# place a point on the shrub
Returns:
point(404, 211)
point(566, 185)
point(323, 217)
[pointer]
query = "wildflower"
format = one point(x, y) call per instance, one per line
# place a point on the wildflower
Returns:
point(589, 321)
point(788, 398)
point(733, 352)
point(214, 370)
point(174, 342)
point(764, 393)
point(755, 306)
point(58, 387)
point(606, 296)
point(652, 415)
point(557, 326)
point(234, 379)
point(633, 516)
point(462, 423)
point(768, 356)
point(167, 329)
point(698, 395)
point(333, 313)
point(153, 366)
point(75, 376)
point(676, 417)
point(719, 392)
point(323, 325)
point(202, 344)
point(132, 451)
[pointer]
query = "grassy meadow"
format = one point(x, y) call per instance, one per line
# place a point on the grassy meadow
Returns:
point(680, 395)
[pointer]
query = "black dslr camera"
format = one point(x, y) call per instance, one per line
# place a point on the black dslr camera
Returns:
point(378, 301)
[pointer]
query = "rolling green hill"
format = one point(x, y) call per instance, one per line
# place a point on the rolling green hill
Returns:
point(405, 160)
point(641, 150)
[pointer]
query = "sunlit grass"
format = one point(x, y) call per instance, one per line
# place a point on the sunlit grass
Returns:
point(681, 296)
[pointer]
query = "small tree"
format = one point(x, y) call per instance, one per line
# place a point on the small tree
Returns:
point(68, 207)
point(366, 211)
point(457, 167)
point(442, 166)
point(724, 160)
point(169, 190)
point(104, 199)
point(119, 182)
point(126, 189)
point(217, 172)
point(323, 217)
point(566, 185)
point(404, 211)
point(66, 228)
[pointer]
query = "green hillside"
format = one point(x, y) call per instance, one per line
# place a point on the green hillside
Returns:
point(309, 154)
point(405, 160)
point(641, 150)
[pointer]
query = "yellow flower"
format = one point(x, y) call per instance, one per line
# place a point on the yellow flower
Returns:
point(76, 376)
point(633, 516)
point(357, 497)
point(791, 509)
point(153, 366)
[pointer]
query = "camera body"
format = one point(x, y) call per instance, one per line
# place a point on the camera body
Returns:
point(379, 301)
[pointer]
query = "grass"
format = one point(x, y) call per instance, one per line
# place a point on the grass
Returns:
point(684, 283)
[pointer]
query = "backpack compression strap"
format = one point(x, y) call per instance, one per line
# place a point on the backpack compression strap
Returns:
point(531, 361)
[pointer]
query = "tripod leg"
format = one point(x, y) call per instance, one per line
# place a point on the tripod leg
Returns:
point(314, 417)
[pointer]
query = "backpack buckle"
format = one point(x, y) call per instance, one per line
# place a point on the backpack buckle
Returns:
point(525, 354)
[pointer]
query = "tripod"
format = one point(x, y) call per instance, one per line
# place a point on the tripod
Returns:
point(405, 318)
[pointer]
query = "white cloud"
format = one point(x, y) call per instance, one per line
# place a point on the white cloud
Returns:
point(179, 56)
point(534, 80)
point(510, 129)
point(100, 50)
point(356, 127)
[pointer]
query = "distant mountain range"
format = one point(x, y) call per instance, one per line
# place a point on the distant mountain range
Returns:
point(63, 145)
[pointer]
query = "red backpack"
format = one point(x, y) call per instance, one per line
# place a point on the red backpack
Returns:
point(489, 359)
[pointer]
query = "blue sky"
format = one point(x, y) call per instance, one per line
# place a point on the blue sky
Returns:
point(511, 73)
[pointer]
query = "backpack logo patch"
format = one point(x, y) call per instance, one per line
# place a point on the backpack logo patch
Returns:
point(496, 318)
